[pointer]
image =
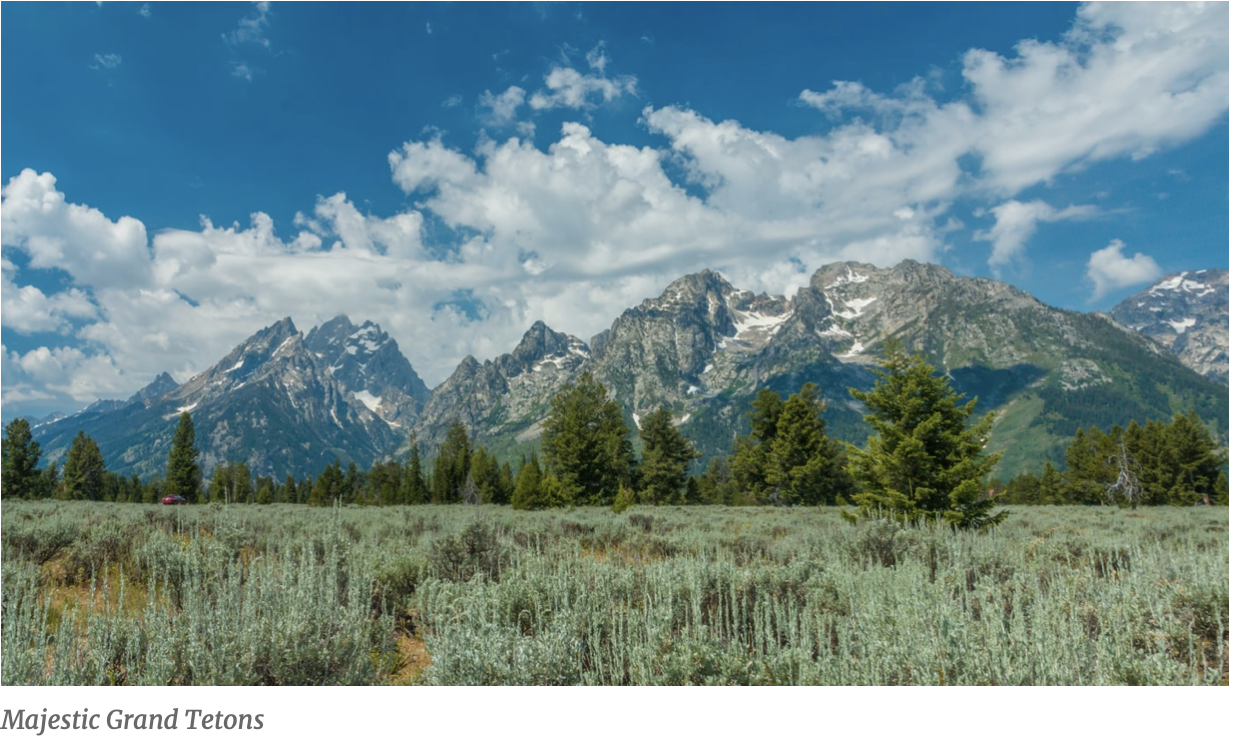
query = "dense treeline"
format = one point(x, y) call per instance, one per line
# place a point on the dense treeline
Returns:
point(1172, 463)
point(925, 458)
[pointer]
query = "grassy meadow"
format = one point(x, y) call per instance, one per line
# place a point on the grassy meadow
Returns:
point(101, 593)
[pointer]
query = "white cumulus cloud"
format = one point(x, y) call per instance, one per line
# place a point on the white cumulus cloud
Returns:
point(568, 88)
point(1110, 270)
point(96, 251)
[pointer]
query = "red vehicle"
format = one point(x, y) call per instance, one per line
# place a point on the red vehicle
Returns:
point(173, 500)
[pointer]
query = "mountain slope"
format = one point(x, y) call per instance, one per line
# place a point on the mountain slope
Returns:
point(1187, 313)
point(502, 401)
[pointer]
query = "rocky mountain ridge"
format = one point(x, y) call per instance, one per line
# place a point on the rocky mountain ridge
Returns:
point(284, 401)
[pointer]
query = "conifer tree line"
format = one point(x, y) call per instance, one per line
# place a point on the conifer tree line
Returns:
point(1159, 463)
point(925, 458)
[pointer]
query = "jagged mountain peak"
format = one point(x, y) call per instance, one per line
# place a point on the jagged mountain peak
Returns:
point(338, 328)
point(704, 288)
point(1187, 313)
point(161, 385)
point(541, 342)
point(367, 363)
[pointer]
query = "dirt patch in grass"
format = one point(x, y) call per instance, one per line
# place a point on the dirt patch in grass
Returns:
point(413, 659)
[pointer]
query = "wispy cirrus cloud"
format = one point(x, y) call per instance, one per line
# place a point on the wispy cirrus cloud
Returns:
point(252, 28)
point(1015, 224)
point(108, 61)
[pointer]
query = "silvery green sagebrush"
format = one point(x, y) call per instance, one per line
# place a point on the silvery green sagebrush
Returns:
point(124, 594)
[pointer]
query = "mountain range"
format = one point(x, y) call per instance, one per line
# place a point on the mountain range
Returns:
point(288, 403)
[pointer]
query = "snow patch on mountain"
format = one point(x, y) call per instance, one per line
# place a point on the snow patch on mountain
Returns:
point(850, 277)
point(855, 307)
point(746, 322)
point(1182, 282)
point(370, 400)
point(1183, 324)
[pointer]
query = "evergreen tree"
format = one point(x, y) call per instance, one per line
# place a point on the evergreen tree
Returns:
point(384, 484)
point(83, 470)
point(804, 466)
point(493, 482)
point(923, 459)
point(527, 495)
point(19, 475)
point(717, 485)
point(1087, 472)
point(586, 445)
point(1147, 445)
point(230, 483)
point(788, 458)
point(1051, 486)
point(749, 462)
point(691, 494)
point(1024, 489)
point(667, 454)
point(329, 485)
point(1195, 458)
point(414, 489)
point(623, 500)
point(48, 481)
point(184, 475)
point(352, 483)
point(451, 467)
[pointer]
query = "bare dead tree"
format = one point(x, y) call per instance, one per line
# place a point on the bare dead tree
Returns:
point(1127, 484)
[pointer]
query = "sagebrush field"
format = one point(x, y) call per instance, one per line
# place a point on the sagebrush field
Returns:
point(100, 593)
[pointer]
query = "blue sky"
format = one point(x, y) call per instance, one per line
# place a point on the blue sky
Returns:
point(177, 176)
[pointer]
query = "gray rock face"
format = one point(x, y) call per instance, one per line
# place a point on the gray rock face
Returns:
point(506, 397)
point(1187, 313)
point(367, 362)
point(161, 385)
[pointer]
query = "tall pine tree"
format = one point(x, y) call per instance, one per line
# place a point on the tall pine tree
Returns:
point(413, 491)
point(667, 454)
point(451, 467)
point(805, 467)
point(184, 474)
point(83, 470)
point(788, 457)
point(19, 476)
point(527, 494)
point(586, 445)
point(925, 459)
